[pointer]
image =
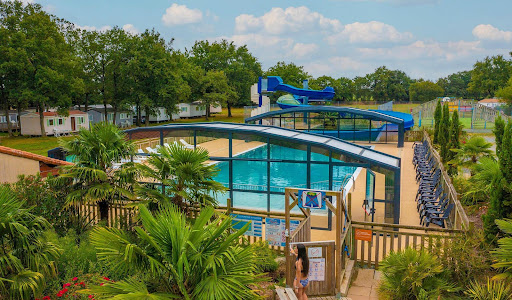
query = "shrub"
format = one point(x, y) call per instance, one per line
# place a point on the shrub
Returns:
point(265, 257)
point(412, 274)
point(493, 290)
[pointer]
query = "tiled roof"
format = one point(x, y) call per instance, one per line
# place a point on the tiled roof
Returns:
point(24, 154)
point(54, 114)
point(490, 101)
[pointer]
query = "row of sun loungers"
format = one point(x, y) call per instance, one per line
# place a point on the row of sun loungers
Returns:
point(150, 150)
point(432, 202)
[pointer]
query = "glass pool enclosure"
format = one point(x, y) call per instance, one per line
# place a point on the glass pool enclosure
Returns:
point(257, 162)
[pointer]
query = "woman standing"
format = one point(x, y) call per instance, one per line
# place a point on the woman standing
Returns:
point(300, 283)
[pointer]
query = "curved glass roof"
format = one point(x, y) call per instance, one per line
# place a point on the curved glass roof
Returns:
point(336, 109)
point(337, 145)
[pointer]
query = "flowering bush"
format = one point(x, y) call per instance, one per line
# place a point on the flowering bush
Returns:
point(72, 288)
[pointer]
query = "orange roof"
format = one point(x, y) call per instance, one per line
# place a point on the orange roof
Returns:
point(24, 154)
point(490, 101)
point(54, 114)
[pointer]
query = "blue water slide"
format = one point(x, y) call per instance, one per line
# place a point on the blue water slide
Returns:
point(275, 83)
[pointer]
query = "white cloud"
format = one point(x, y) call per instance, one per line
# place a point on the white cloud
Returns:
point(301, 50)
point(489, 32)
point(131, 29)
point(93, 28)
point(425, 49)
point(180, 14)
point(292, 19)
point(369, 32)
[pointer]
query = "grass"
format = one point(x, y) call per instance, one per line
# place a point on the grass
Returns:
point(37, 145)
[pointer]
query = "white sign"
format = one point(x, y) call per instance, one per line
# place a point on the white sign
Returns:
point(317, 269)
point(315, 252)
point(275, 231)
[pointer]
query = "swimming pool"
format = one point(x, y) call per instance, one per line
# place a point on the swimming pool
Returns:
point(252, 176)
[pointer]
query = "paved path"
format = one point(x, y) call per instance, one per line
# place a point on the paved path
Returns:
point(365, 286)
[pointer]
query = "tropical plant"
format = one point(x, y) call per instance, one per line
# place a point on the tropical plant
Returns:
point(93, 177)
point(493, 290)
point(503, 253)
point(202, 260)
point(184, 176)
point(412, 273)
point(26, 260)
point(486, 176)
point(471, 151)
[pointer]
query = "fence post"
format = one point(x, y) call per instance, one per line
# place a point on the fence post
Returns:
point(229, 206)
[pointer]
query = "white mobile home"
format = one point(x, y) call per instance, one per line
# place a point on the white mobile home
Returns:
point(191, 110)
point(215, 109)
point(54, 123)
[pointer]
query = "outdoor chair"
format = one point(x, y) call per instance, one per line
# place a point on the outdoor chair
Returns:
point(187, 145)
point(439, 219)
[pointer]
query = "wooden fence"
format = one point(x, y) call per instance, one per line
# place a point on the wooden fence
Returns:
point(391, 237)
point(120, 214)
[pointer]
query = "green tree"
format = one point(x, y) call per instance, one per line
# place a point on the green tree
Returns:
point(185, 177)
point(362, 88)
point(455, 129)
point(241, 68)
point(503, 254)
point(424, 91)
point(499, 130)
point(389, 84)
point(94, 178)
point(216, 90)
point(155, 77)
point(471, 151)
point(26, 260)
point(437, 120)
point(345, 91)
point(505, 92)
point(489, 75)
point(190, 261)
point(482, 183)
point(456, 84)
point(46, 75)
point(444, 134)
point(290, 73)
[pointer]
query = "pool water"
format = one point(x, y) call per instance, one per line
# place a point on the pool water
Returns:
point(252, 175)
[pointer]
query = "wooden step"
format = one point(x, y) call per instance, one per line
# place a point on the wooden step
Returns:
point(347, 277)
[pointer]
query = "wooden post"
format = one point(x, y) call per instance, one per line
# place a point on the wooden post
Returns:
point(228, 206)
point(338, 252)
point(287, 232)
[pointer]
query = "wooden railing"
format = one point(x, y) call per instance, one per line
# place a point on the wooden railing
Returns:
point(458, 217)
point(414, 135)
point(392, 237)
point(303, 231)
point(120, 214)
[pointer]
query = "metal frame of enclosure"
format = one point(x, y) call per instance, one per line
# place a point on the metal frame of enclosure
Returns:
point(233, 145)
point(346, 123)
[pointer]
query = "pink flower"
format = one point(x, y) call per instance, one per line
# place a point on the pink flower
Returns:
point(66, 285)
point(47, 298)
point(82, 283)
point(91, 296)
point(102, 283)
point(75, 278)
point(106, 278)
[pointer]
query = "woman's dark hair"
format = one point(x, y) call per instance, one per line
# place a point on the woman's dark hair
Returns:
point(303, 254)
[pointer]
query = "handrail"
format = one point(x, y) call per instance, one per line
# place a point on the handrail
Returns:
point(399, 226)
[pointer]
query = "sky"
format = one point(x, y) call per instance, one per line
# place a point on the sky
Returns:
point(425, 38)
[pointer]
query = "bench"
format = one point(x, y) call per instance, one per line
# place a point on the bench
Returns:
point(285, 294)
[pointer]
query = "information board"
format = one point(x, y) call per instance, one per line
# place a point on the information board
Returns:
point(274, 231)
point(255, 229)
point(316, 269)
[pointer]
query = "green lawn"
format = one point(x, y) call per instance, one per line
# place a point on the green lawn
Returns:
point(37, 145)
point(405, 108)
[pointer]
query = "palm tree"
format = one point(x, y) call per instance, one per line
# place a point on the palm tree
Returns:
point(486, 177)
point(202, 260)
point(470, 152)
point(26, 260)
point(94, 177)
point(184, 174)
point(503, 254)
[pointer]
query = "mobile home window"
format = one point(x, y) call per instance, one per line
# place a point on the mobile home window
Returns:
point(60, 121)
point(80, 120)
point(110, 116)
point(2, 119)
point(50, 122)
point(123, 116)
point(184, 109)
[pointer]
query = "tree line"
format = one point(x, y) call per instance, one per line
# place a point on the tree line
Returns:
point(46, 61)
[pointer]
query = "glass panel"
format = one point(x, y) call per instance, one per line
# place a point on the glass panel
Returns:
point(284, 175)
point(249, 146)
point(250, 200)
point(249, 175)
point(287, 150)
